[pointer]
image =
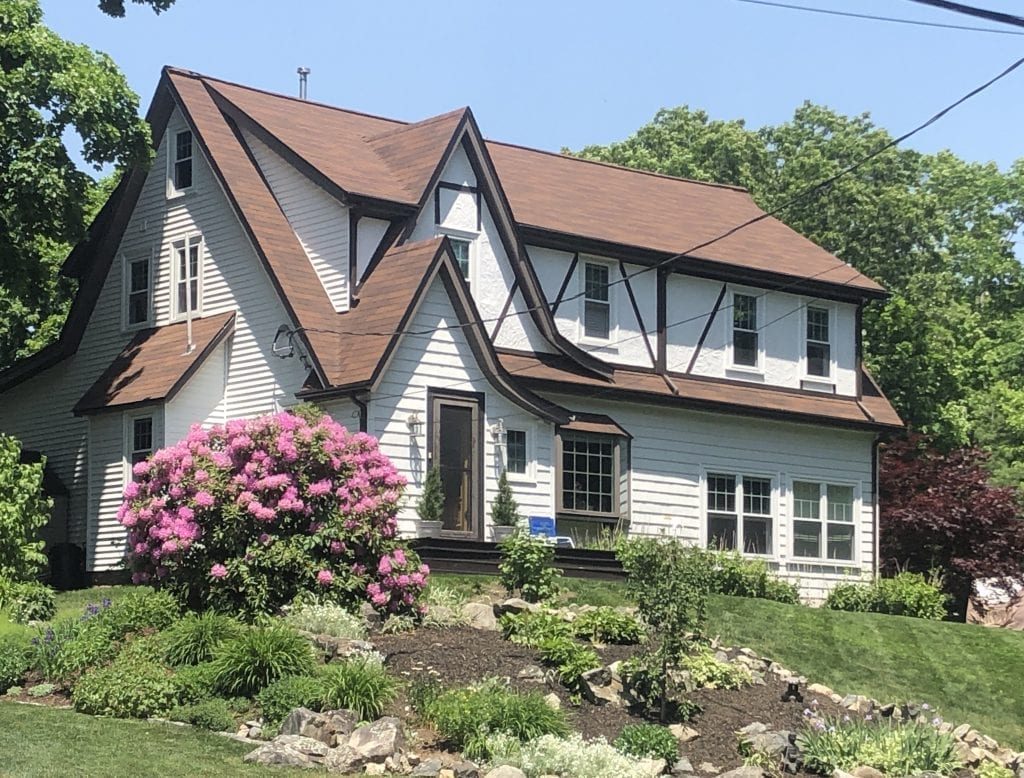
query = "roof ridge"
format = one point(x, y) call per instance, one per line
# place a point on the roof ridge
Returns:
point(417, 125)
point(614, 166)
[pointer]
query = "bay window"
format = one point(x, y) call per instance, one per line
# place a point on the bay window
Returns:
point(589, 474)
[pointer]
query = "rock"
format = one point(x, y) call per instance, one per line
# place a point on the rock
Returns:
point(866, 772)
point(378, 740)
point(682, 766)
point(344, 760)
point(480, 615)
point(683, 733)
point(599, 687)
point(255, 733)
point(651, 767)
point(533, 673)
point(757, 678)
point(506, 771)
point(817, 688)
point(756, 728)
point(773, 743)
point(290, 750)
point(374, 768)
point(888, 709)
point(553, 701)
point(513, 605)
point(465, 769)
point(778, 670)
point(243, 731)
point(857, 703)
point(837, 773)
point(329, 727)
point(721, 656)
point(446, 772)
point(962, 730)
point(744, 772)
point(708, 768)
point(428, 769)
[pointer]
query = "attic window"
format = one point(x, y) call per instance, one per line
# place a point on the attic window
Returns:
point(460, 248)
point(181, 162)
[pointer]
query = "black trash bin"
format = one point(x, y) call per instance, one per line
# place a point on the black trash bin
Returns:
point(67, 567)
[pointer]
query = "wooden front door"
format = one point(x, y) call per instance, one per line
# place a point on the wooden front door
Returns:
point(455, 451)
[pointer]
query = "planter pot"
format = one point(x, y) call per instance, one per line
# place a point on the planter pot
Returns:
point(429, 529)
point(498, 534)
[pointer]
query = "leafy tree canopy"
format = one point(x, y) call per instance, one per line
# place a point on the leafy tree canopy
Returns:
point(936, 230)
point(51, 87)
point(116, 7)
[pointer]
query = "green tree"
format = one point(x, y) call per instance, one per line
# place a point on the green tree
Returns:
point(116, 7)
point(936, 230)
point(430, 506)
point(505, 509)
point(23, 510)
point(49, 87)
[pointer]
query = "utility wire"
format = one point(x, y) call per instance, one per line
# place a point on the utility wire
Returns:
point(873, 17)
point(970, 10)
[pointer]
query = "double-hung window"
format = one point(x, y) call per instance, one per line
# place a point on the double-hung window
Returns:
point(739, 513)
point(819, 345)
point(460, 247)
point(745, 340)
point(596, 301)
point(590, 469)
point(516, 457)
point(181, 156)
point(188, 270)
point(137, 291)
point(823, 526)
point(141, 440)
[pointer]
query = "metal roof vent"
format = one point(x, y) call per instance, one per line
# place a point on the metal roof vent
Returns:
point(303, 78)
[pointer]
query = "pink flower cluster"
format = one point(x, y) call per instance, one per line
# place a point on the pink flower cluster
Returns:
point(400, 581)
point(226, 497)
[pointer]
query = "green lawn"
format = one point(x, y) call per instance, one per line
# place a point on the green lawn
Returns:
point(68, 604)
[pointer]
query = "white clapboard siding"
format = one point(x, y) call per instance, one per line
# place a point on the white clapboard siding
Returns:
point(320, 222)
point(200, 401)
point(444, 360)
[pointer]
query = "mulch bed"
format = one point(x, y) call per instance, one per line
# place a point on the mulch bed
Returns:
point(459, 656)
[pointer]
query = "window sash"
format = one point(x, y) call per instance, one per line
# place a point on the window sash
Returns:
point(182, 169)
point(819, 345)
point(142, 439)
point(749, 530)
point(823, 521)
point(596, 301)
point(188, 266)
point(745, 339)
point(589, 474)
point(460, 248)
point(516, 459)
point(137, 290)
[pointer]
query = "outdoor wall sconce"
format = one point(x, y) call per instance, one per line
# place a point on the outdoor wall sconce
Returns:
point(498, 432)
point(415, 425)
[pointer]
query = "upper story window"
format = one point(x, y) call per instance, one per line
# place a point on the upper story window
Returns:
point(746, 347)
point(460, 248)
point(739, 513)
point(187, 256)
point(823, 526)
point(819, 344)
point(180, 156)
point(590, 474)
point(137, 291)
point(596, 301)
point(141, 438)
point(516, 458)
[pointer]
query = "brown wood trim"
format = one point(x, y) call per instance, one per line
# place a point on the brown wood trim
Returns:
point(636, 313)
point(474, 190)
point(565, 282)
point(505, 308)
point(354, 215)
point(858, 324)
point(661, 363)
point(479, 399)
point(707, 328)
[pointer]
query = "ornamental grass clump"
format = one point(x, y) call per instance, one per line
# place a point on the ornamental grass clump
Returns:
point(259, 656)
point(360, 685)
point(244, 517)
point(195, 638)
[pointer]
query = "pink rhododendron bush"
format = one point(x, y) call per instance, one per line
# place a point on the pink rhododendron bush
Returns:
point(244, 517)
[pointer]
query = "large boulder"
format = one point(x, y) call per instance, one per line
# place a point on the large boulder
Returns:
point(330, 727)
point(291, 751)
point(480, 615)
point(506, 771)
point(378, 740)
point(344, 760)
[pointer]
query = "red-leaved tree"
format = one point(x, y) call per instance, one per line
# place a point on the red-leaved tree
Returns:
point(938, 510)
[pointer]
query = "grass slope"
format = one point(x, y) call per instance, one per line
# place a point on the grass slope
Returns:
point(68, 604)
point(43, 742)
point(971, 673)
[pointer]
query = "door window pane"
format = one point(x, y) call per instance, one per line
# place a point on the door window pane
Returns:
point(455, 461)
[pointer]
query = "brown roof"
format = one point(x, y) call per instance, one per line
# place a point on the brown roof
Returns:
point(554, 373)
point(155, 365)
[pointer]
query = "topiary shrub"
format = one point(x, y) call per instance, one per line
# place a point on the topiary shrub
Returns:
point(259, 656)
point(194, 639)
point(214, 715)
point(24, 509)
point(907, 594)
point(14, 663)
point(125, 689)
point(648, 741)
point(527, 566)
point(244, 517)
point(278, 699)
point(30, 601)
point(360, 685)
point(430, 506)
point(505, 509)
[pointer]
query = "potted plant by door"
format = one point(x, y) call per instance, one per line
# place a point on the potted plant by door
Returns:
point(431, 504)
point(504, 511)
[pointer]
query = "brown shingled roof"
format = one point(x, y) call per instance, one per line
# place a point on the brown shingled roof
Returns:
point(154, 365)
point(555, 374)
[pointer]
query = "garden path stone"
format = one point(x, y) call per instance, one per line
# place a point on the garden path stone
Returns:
point(378, 740)
point(480, 615)
point(291, 751)
point(506, 771)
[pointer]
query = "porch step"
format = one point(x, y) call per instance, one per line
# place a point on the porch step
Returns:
point(448, 555)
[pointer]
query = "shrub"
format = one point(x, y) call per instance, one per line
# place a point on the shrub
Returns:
point(42, 690)
point(531, 628)
point(139, 611)
point(30, 601)
point(278, 699)
point(444, 607)
point(194, 683)
point(258, 657)
point(466, 716)
point(648, 741)
point(571, 757)
point(734, 575)
point(992, 770)
point(570, 659)
point(430, 506)
point(526, 566)
point(214, 715)
point(14, 663)
point(68, 647)
point(125, 689)
point(24, 509)
point(147, 647)
point(907, 594)
point(607, 625)
point(504, 509)
point(646, 676)
point(327, 619)
point(194, 639)
point(707, 672)
point(892, 747)
point(360, 685)
point(245, 517)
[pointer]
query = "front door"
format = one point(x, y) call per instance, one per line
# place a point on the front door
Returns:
point(455, 451)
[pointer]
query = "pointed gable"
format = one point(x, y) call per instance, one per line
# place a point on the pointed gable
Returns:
point(414, 152)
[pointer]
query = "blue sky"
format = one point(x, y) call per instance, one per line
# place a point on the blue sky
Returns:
point(553, 74)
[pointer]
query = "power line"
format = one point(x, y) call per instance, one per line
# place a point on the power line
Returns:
point(873, 17)
point(970, 10)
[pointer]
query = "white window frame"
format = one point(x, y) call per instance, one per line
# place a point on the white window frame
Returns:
point(129, 438)
point(760, 313)
point(823, 520)
point(529, 476)
point(469, 237)
point(126, 263)
point(773, 479)
point(187, 241)
point(172, 159)
point(833, 319)
point(609, 343)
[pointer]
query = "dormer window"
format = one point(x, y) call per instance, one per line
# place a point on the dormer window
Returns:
point(596, 301)
point(460, 248)
point(819, 345)
point(745, 340)
point(180, 157)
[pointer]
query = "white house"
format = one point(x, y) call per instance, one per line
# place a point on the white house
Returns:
point(476, 306)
